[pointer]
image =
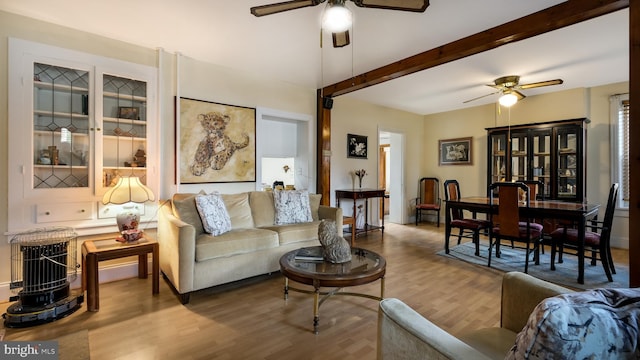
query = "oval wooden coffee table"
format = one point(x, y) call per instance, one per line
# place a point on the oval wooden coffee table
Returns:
point(365, 267)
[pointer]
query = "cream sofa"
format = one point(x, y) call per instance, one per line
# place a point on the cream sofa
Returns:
point(192, 259)
point(405, 334)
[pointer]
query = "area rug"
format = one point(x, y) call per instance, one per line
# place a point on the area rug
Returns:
point(566, 273)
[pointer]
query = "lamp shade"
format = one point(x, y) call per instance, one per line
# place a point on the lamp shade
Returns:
point(128, 189)
point(508, 99)
point(337, 18)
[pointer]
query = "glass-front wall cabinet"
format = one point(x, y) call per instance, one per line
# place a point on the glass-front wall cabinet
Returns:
point(77, 122)
point(552, 153)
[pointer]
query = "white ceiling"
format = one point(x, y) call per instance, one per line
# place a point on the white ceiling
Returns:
point(286, 46)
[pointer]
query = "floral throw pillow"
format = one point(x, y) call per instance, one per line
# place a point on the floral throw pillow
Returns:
point(213, 213)
point(292, 206)
point(595, 324)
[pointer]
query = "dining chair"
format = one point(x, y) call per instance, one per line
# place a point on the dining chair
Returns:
point(468, 228)
point(536, 189)
point(597, 239)
point(428, 198)
point(536, 192)
point(506, 223)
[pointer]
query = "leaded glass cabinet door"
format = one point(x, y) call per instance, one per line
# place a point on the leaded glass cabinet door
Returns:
point(124, 129)
point(61, 123)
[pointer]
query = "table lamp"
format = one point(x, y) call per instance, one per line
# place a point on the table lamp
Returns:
point(129, 189)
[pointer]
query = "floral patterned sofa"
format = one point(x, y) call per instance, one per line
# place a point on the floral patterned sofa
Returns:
point(213, 239)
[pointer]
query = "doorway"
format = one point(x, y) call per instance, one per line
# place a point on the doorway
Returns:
point(391, 174)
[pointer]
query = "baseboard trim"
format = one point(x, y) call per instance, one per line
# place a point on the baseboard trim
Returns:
point(105, 274)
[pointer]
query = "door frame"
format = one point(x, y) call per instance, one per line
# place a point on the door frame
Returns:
point(397, 204)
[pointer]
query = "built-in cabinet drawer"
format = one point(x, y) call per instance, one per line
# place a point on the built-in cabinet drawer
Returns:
point(68, 212)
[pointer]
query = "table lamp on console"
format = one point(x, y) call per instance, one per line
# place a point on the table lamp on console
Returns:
point(128, 190)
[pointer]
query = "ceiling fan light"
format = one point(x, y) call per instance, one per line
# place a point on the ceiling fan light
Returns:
point(337, 18)
point(508, 99)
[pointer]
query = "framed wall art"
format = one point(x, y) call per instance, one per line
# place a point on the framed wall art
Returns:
point(356, 146)
point(217, 142)
point(455, 151)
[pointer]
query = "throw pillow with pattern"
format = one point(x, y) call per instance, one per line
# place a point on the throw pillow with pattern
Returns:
point(213, 213)
point(292, 207)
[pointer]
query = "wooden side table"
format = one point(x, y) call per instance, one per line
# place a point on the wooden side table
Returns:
point(94, 251)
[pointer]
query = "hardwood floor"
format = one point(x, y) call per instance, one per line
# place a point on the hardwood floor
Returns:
point(251, 320)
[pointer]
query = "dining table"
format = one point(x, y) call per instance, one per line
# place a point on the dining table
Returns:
point(576, 212)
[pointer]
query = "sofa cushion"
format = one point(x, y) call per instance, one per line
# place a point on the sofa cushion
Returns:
point(293, 233)
point(493, 342)
point(234, 242)
point(213, 213)
point(595, 324)
point(239, 210)
point(262, 209)
point(292, 207)
point(184, 208)
point(314, 202)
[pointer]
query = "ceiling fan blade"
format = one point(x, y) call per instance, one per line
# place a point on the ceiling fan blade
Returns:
point(283, 6)
point(405, 5)
point(480, 97)
point(540, 84)
point(518, 94)
point(341, 39)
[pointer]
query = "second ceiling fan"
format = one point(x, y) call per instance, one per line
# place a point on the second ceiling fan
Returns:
point(509, 87)
point(341, 35)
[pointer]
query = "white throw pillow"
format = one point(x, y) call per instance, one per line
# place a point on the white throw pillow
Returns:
point(292, 207)
point(213, 213)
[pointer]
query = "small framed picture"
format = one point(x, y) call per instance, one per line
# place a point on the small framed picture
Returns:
point(131, 113)
point(455, 151)
point(356, 146)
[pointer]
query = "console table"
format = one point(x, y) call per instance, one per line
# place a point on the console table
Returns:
point(356, 194)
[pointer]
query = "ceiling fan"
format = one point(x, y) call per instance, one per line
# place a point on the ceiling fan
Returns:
point(508, 86)
point(341, 34)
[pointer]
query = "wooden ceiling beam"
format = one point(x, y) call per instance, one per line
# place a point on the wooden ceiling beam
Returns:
point(553, 18)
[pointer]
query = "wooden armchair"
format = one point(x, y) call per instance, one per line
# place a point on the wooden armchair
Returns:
point(428, 198)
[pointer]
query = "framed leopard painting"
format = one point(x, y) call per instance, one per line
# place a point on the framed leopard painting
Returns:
point(217, 142)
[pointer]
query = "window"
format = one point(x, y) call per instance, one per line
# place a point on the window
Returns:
point(620, 146)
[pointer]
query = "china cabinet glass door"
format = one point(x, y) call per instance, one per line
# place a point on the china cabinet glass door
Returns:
point(519, 156)
point(498, 157)
point(61, 142)
point(124, 129)
point(567, 163)
point(541, 160)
